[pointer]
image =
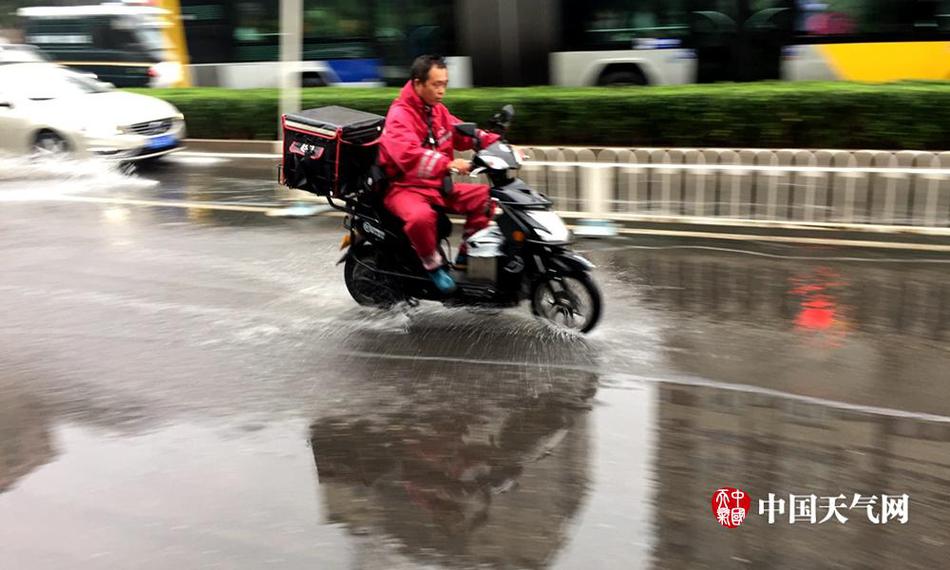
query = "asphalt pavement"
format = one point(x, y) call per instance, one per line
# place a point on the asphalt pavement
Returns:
point(185, 383)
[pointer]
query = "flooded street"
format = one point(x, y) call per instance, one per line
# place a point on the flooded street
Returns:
point(185, 382)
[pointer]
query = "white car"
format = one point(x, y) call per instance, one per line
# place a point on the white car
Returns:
point(48, 109)
point(21, 53)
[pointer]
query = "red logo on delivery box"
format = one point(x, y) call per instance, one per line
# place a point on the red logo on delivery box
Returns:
point(730, 506)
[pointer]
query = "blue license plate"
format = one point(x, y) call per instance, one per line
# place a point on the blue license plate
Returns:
point(164, 141)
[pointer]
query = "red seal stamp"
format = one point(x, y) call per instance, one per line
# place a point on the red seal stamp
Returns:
point(730, 506)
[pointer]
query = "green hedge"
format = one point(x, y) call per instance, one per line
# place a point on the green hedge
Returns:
point(906, 115)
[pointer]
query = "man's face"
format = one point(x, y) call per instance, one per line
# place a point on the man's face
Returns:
point(433, 90)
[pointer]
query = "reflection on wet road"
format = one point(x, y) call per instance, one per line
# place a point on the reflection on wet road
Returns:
point(192, 387)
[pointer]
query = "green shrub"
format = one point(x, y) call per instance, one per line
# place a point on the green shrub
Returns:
point(905, 115)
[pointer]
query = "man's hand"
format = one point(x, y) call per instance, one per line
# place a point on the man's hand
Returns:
point(460, 166)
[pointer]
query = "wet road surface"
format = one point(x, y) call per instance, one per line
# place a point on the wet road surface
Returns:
point(189, 385)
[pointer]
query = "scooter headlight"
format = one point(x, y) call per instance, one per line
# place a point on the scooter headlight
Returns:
point(552, 227)
point(494, 162)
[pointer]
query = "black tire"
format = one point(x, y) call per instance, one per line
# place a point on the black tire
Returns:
point(49, 143)
point(623, 78)
point(367, 287)
point(312, 80)
point(154, 162)
point(553, 297)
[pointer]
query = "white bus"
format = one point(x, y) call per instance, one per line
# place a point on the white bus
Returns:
point(122, 44)
point(661, 42)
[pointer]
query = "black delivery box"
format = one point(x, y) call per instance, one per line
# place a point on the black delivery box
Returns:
point(327, 148)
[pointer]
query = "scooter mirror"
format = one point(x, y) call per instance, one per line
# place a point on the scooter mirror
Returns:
point(502, 119)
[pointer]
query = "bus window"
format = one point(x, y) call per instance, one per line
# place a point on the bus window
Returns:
point(625, 24)
point(332, 30)
point(337, 29)
point(338, 44)
point(117, 39)
point(152, 39)
point(59, 34)
point(131, 38)
point(256, 24)
point(932, 15)
point(335, 20)
point(406, 29)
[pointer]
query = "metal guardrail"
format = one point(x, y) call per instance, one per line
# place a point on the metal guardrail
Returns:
point(861, 190)
point(835, 187)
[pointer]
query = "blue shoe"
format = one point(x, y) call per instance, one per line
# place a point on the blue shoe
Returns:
point(461, 262)
point(443, 280)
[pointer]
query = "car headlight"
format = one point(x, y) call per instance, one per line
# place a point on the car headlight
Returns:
point(552, 226)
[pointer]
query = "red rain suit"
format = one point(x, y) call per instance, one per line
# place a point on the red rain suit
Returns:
point(417, 168)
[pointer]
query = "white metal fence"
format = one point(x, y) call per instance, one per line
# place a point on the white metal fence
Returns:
point(837, 187)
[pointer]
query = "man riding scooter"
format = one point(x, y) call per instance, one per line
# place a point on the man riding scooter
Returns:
point(416, 151)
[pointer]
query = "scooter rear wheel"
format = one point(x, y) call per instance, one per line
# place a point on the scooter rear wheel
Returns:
point(367, 287)
point(570, 302)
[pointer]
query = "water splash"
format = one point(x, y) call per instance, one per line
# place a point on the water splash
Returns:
point(24, 179)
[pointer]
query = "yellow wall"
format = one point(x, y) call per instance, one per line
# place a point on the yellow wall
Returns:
point(176, 37)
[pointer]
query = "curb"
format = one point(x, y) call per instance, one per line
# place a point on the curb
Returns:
point(233, 146)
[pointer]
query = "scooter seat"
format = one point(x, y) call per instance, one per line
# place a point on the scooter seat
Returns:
point(395, 224)
point(443, 223)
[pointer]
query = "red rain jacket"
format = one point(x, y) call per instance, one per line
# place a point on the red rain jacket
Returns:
point(404, 153)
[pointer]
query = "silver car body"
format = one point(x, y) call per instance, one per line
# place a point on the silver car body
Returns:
point(92, 118)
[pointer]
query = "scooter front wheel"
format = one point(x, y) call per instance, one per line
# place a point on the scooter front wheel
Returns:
point(571, 301)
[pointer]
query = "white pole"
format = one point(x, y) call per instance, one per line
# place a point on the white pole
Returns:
point(291, 54)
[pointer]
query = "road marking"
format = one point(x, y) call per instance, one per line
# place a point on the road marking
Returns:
point(194, 154)
point(268, 209)
point(260, 209)
point(760, 254)
point(826, 227)
point(792, 239)
point(685, 381)
point(748, 389)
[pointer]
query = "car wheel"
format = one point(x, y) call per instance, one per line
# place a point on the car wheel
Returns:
point(623, 78)
point(154, 161)
point(48, 143)
point(312, 80)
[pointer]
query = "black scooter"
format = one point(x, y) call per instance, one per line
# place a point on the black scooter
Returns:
point(525, 254)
